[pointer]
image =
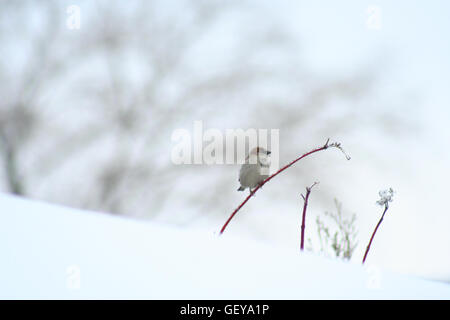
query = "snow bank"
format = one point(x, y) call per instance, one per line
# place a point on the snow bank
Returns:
point(49, 251)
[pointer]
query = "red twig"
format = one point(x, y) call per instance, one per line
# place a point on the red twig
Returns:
point(305, 205)
point(373, 234)
point(324, 147)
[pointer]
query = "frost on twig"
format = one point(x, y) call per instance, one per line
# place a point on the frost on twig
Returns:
point(338, 146)
point(386, 196)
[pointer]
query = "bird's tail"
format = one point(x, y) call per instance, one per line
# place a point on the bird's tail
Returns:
point(241, 188)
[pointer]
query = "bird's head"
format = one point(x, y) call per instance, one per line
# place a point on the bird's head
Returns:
point(258, 151)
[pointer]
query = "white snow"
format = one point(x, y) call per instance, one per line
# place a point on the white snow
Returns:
point(50, 251)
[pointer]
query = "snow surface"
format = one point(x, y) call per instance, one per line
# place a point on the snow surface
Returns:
point(53, 252)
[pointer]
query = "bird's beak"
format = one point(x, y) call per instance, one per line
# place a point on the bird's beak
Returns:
point(268, 152)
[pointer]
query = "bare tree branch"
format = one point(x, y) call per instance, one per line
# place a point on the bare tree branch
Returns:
point(324, 147)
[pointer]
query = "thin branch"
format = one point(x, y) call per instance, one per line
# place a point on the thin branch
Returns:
point(375, 231)
point(305, 205)
point(324, 147)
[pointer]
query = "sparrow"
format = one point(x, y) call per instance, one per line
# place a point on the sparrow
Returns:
point(255, 169)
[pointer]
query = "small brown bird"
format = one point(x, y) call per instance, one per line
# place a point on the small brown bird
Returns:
point(255, 169)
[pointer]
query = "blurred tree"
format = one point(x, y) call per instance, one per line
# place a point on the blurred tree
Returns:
point(89, 112)
point(21, 81)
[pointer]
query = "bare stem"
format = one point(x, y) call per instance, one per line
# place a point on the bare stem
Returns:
point(324, 147)
point(373, 234)
point(305, 205)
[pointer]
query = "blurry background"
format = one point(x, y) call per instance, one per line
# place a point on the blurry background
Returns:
point(87, 114)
